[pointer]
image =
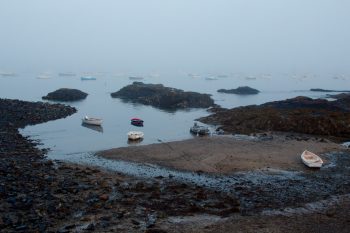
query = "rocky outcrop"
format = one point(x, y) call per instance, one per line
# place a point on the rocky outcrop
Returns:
point(240, 91)
point(325, 90)
point(300, 115)
point(65, 94)
point(163, 97)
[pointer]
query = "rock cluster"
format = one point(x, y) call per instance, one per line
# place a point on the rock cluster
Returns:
point(163, 97)
point(325, 90)
point(65, 94)
point(240, 91)
point(300, 114)
point(39, 195)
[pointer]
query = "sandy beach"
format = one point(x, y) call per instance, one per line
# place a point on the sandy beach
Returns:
point(225, 154)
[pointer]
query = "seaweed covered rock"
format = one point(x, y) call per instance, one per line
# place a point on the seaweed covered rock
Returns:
point(163, 97)
point(240, 91)
point(299, 115)
point(65, 94)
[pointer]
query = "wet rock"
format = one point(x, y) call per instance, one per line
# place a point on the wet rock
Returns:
point(104, 197)
point(163, 97)
point(90, 227)
point(65, 94)
point(245, 90)
point(301, 114)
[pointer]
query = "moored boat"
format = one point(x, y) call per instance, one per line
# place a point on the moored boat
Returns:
point(135, 135)
point(92, 121)
point(199, 130)
point(311, 160)
point(136, 121)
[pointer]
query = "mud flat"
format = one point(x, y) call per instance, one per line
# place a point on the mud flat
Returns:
point(226, 154)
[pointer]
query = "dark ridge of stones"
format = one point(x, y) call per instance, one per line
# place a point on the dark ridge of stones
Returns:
point(163, 97)
point(302, 102)
point(240, 91)
point(299, 115)
point(339, 96)
point(65, 94)
point(325, 90)
point(21, 113)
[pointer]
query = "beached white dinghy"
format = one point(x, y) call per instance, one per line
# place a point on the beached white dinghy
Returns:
point(135, 135)
point(92, 121)
point(310, 159)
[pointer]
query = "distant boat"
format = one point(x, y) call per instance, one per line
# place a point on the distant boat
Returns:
point(68, 74)
point(199, 130)
point(43, 76)
point(92, 121)
point(135, 78)
point(135, 135)
point(136, 121)
point(85, 78)
point(194, 75)
point(210, 78)
point(7, 74)
point(311, 160)
point(250, 78)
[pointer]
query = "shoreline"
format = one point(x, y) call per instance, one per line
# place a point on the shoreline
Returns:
point(40, 195)
point(225, 154)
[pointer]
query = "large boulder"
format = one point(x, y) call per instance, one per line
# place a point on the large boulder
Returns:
point(65, 94)
point(240, 91)
point(163, 97)
point(299, 115)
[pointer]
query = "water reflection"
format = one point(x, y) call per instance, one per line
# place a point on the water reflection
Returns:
point(93, 127)
point(134, 142)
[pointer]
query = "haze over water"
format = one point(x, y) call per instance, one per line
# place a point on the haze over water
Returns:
point(282, 48)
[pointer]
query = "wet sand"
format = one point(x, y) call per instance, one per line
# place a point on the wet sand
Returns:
point(225, 154)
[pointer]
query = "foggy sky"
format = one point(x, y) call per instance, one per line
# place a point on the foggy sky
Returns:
point(172, 35)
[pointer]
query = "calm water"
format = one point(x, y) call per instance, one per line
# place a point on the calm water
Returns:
point(67, 136)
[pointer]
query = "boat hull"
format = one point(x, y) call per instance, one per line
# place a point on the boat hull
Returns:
point(135, 135)
point(199, 130)
point(311, 160)
point(92, 121)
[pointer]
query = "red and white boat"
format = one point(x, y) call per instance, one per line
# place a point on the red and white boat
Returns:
point(137, 121)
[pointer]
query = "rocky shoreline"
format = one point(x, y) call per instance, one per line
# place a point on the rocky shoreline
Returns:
point(39, 195)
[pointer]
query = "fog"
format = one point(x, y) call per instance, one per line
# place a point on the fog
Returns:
point(179, 35)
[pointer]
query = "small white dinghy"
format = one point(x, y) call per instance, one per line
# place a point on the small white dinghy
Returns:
point(311, 160)
point(92, 121)
point(135, 135)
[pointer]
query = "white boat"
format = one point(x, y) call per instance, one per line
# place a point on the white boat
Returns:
point(199, 129)
point(311, 160)
point(135, 135)
point(92, 121)
point(7, 74)
point(43, 76)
